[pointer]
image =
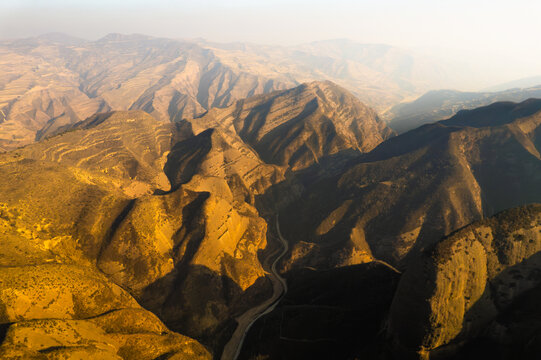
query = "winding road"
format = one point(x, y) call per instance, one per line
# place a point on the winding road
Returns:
point(248, 318)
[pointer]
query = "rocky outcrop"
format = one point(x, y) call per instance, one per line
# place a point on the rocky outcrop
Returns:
point(453, 293)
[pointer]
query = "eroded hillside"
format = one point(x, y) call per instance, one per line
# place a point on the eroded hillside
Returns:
point(48, 82)
point(160, 216)
point(53, 80)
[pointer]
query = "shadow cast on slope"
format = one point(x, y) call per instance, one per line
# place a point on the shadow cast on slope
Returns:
point(200, 303)
point(327, 314)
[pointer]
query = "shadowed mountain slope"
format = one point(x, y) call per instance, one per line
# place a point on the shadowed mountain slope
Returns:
point(442, 104)
point(326, 314)
point(299, 126)
point(419, 186)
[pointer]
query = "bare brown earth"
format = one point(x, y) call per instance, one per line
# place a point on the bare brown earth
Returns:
point(169, 217)
point(53, 80)
point(299, 126)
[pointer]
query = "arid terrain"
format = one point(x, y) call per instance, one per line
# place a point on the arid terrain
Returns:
point(54, 80)
point(168, 199)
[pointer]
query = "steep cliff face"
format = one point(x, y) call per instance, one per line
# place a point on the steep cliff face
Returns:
point(453, 292)
point(419, 186)
point(299, 126)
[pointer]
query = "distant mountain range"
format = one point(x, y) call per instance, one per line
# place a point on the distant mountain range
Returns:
point(441, 104)
point(53, 80)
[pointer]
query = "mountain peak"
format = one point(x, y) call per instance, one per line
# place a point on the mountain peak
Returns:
point(297, 127)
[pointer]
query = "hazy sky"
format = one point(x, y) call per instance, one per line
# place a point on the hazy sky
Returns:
point(498, 36)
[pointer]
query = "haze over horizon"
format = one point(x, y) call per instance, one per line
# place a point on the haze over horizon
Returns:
point(494, 38)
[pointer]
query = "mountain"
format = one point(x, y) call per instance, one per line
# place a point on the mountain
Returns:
point(170, 215)
point(473, 294)
point(412, 189)
point(158, 197)
point(441, 104)
point(55, 219)
point(473, 291)
point(299, 126)
point(71, 311)
point(54, 80)
point(48, 82)
point(379, 75)
point(107, 195)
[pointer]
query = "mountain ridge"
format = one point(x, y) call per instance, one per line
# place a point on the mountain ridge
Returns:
point(456, 165)
point(54, 80)
point(438, 105)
